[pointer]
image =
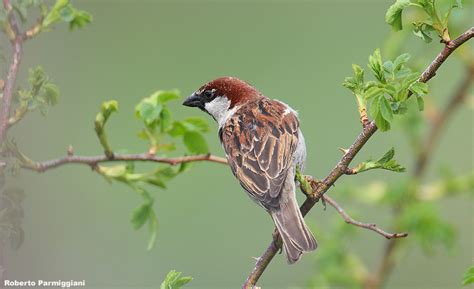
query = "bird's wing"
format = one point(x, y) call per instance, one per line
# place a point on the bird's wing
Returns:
point(260, 140)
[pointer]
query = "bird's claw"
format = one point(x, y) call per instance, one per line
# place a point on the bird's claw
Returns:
point(276, 239)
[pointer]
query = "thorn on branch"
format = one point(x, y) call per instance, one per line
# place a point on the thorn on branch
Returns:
point(350, 171)
point(343, 150)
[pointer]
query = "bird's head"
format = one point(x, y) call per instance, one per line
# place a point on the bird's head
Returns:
point(219, 96)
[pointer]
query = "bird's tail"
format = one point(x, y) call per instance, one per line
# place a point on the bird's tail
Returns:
point(296, 236)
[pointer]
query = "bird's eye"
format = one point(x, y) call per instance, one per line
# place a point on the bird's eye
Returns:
point(209, 94)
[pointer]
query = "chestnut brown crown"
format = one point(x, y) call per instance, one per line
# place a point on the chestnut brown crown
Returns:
point(235, 90)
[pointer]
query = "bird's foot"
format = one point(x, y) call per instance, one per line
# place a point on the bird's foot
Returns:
point(276, 239)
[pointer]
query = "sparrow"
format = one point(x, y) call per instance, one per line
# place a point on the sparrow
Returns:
point(263, 145)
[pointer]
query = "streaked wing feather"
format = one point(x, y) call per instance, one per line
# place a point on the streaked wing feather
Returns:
point(260, 151)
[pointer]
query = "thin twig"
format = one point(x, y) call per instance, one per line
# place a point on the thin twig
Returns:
point(349, 155)
point(368, 226)
point(34, 30)
point(92, 161)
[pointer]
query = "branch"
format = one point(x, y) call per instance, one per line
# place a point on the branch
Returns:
point(92, 161)
point(17, 42)
point(387, 262)
point(318, 191)
point(430, 72)
point(351, 221)
point(349, 155)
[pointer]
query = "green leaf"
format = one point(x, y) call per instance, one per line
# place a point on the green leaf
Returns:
point(373, 92)
point(468, 276)
point(67, 13)
point(108, 107)
point(167, 96)
point(394, 14)
point(177, 129)
point(419, 88)
point(81, 19)
point(421, 103)
point(400, 61)
point(386, 162)
point(165, 119)
point(385, 109)
point(388, 66)
point(375, 64)
point(148, 111)
point(41, 94)
point(350, 83)
point(197, 124)
point(195, 142)
point(358, 73)
point(174, 281)
point(62, 10)
point(153, 229)
point(51, 93)
point(381, 123)
point(374, 108)
point(101, 118)
point(428, 6)
point(141, 215)
point(423, 30)
point(113, 172)
point(387, 156)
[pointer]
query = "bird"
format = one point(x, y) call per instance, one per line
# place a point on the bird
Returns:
point(264, 146)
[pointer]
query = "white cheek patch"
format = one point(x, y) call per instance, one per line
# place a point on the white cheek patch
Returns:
point(219, 109)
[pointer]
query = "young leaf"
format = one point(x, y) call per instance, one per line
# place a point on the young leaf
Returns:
point(148, 111)
point(419, 88)
point(468, 276)
point(166, 96)
point(195, 142)
point(373, 92)
point(421, 103)
point(400, 61)
point(141, 215)
point(423, 30)
point(428, 6)
point(113, 172)
point(386, 162)
point(81, 19)
point(174, 281)
point(385, 109)
point(101, 118)
point(382, 123)
point(153, 229)
point(165, 119)
point(375, 64)
point(394, 14)
point(177, 129)
point(197, 124)
point(62, 10)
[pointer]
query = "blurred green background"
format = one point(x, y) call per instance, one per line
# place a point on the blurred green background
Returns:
point(77, 224)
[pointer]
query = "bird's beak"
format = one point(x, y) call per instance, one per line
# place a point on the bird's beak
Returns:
point(194, 100)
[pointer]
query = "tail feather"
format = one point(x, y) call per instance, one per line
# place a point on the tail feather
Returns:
point(296, 236)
